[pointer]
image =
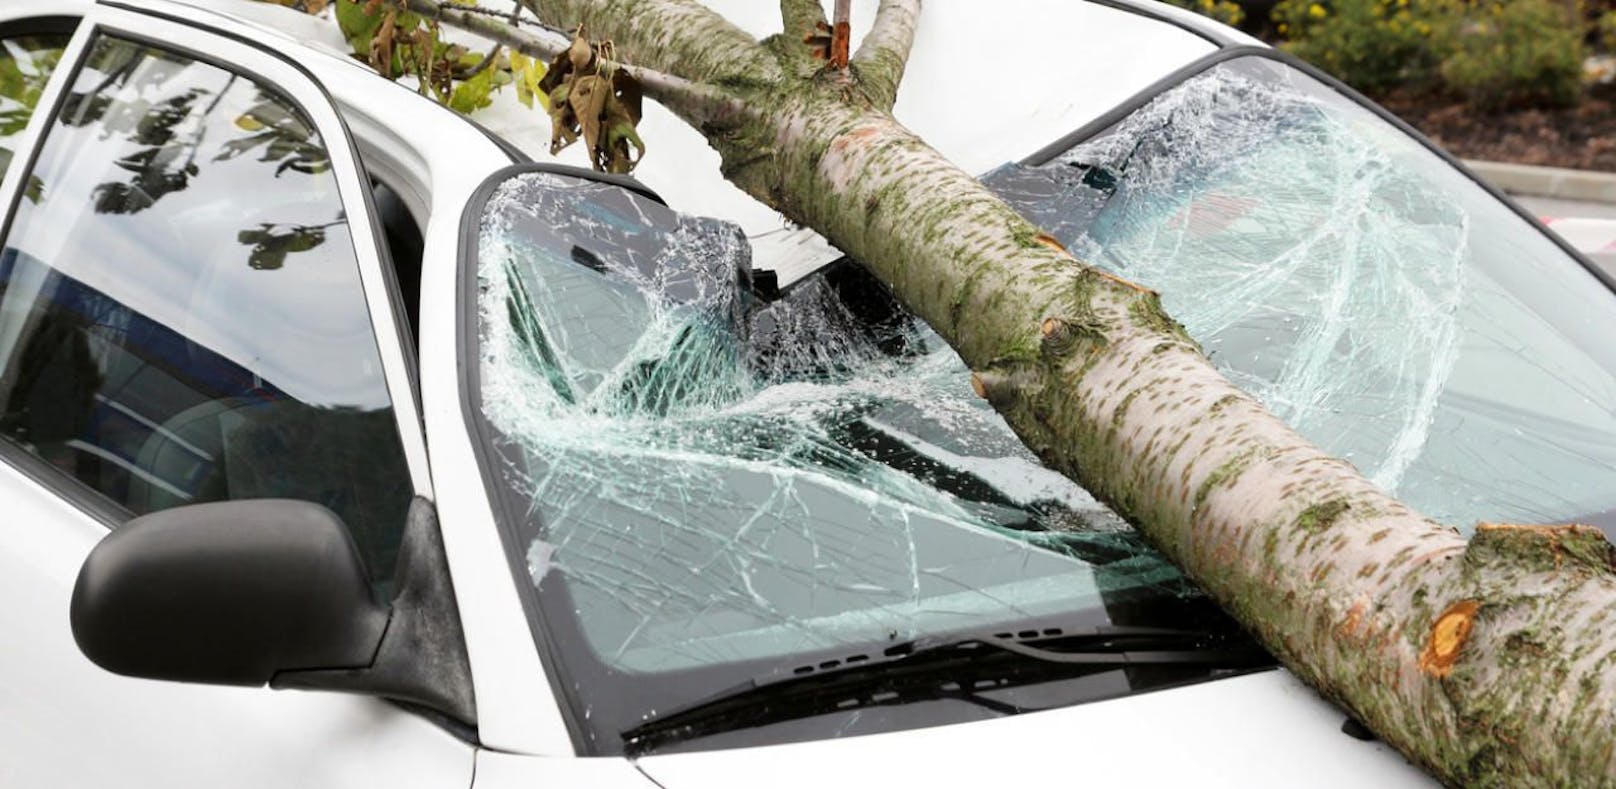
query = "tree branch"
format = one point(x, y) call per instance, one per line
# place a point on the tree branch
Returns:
point(802, 20)
point(882, 56)
point(679, 37)
point(840, 34)
point(700, 105)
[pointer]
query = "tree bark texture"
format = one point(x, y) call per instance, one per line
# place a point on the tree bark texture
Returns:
point(1485, 661)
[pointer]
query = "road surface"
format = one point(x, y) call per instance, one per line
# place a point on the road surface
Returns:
point(1590, 227)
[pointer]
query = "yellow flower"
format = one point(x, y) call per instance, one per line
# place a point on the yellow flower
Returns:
point(1316, 11)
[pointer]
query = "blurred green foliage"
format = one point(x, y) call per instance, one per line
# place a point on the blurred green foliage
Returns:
point(1514, 53)
point(1226, 11)
point(1373, 45)
point(1494, 54)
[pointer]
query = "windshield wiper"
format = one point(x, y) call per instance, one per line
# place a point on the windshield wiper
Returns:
point(953, 667)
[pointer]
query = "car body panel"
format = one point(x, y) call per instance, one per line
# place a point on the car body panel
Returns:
point(66, 722)
point(497, 770)
point(187, 734)
point(1257, 730)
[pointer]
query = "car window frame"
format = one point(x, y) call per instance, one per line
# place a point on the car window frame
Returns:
point(303, 90)
point(1236, 51)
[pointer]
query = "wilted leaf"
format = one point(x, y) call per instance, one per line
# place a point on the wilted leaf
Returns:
point(592, 99)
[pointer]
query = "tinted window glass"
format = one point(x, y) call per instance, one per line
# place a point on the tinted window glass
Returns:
point(26, 62)
point(181, 317)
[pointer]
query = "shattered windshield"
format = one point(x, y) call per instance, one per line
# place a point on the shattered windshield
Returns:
point(1371, 295)
point(710, 482)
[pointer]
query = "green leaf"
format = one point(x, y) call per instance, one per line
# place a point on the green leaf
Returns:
point(356, 25)
point(527, 72)
point(473, 94)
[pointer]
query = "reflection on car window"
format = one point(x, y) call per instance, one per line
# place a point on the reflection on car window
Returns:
point(26, 62)
point(181, 318)
point(709, 487)
point(1373, 296)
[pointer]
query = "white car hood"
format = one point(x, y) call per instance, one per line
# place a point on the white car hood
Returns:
point(1259, 730)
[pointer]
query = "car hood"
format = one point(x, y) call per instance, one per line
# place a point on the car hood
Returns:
point(1256, 730)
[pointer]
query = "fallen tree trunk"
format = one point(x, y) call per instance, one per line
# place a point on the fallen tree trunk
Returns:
point(1484, 660)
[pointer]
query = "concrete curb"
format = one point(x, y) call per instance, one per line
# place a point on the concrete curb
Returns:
point(1554, 182)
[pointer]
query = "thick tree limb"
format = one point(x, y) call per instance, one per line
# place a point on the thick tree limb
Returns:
point(677, 37)
point(698, 104)
point(884, 53)
point(1476, 660)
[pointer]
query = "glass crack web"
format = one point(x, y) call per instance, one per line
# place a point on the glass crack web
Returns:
point(1368, 293)
point(713, 477)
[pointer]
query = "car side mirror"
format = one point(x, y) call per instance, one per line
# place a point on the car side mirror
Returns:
point(233, 592)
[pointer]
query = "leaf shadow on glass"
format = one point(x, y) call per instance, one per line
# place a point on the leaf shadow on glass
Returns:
point(271, 242)
point(171, 134)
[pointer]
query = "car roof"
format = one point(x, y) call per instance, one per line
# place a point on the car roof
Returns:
point(980, 114)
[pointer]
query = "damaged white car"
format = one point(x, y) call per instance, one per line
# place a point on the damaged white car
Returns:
point(510, 474)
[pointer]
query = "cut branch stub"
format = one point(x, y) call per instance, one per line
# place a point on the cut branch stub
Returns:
point(592, 99)
point(1447, 638)
point(841, 35)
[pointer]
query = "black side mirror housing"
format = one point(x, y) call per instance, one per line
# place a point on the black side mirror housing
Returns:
point(229, 593)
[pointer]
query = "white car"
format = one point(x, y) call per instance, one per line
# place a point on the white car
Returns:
point(680, 501)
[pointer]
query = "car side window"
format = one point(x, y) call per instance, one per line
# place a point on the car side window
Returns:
point(26, 62)
point(181, 313)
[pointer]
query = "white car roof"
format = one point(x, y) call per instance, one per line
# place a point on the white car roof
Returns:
point(980, 115)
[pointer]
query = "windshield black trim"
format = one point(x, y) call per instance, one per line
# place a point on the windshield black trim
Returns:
point(468, 342)
point(1091, 129)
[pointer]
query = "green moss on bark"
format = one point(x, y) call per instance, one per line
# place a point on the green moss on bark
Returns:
point(1321, 516)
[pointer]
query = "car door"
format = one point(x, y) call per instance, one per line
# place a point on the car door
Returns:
point(192, 308)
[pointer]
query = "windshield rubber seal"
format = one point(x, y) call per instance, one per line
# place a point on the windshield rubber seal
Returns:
point(1093, 128)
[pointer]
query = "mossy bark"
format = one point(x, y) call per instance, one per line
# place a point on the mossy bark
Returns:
point(1486, 661)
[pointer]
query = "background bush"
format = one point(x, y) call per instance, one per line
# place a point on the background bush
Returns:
point(1495, 54)
point(1607, 31)
point(1226, 11)
point(1514, 53)
point(1372, 45)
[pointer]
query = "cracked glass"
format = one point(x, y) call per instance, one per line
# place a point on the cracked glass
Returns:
point(711, 483)
point(1368, 292)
